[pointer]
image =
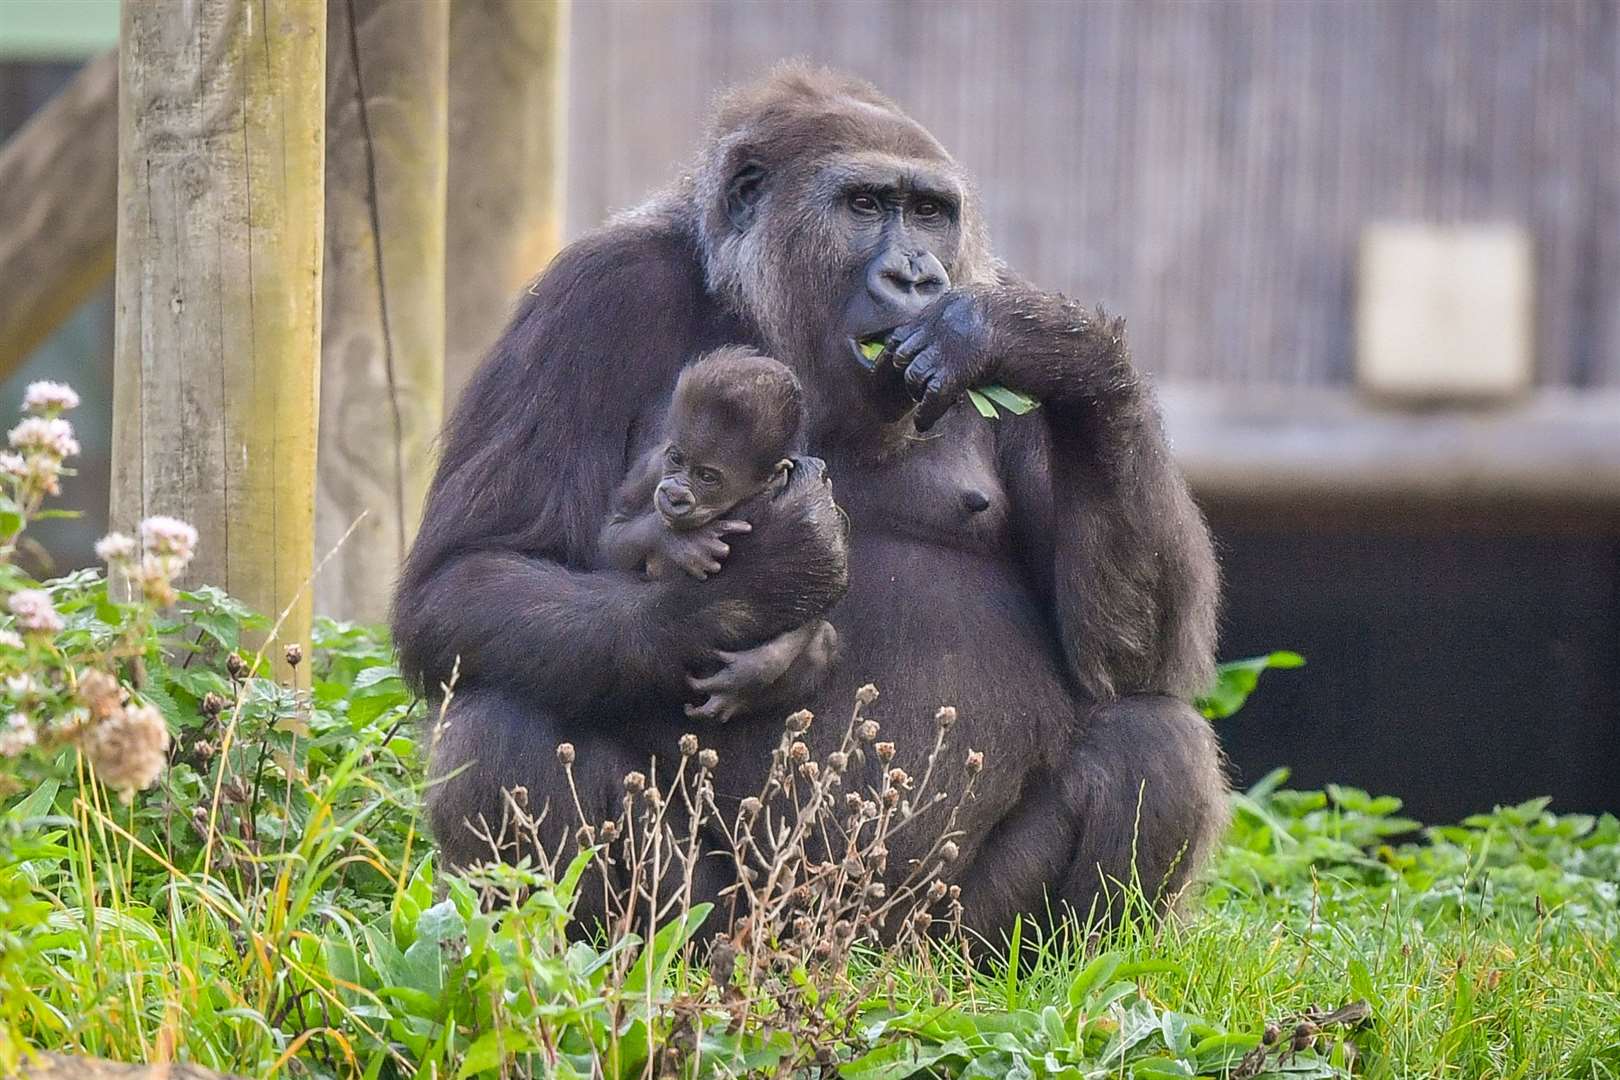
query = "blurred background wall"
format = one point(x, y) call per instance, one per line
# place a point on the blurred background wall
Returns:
point(1451, 570)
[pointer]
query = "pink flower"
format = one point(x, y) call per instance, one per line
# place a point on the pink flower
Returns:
point(45, 435)
point(169, 537)
point(16, 735)
point(34, 611)
point(115, 547)
point(49, 397)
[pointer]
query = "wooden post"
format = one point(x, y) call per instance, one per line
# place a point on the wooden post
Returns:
point(220, 130)
point(382, 347)
point(508, 80)
point(58, 200)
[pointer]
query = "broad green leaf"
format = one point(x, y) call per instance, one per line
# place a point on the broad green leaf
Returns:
point(897, 1060)
point(493, 1048)
point(1012, 400)
point(982, 403)
point(1235, 680)
point(1093, 975)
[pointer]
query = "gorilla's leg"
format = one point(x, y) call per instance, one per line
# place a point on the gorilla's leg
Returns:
point(1141, 801)
point(494, 741)
point(1150, 797)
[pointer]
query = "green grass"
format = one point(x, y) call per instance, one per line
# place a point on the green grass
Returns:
point(296, 924)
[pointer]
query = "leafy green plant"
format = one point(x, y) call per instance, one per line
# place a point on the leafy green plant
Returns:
point(1235, 680)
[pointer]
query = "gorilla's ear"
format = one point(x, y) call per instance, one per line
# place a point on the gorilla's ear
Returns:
point(747, 187)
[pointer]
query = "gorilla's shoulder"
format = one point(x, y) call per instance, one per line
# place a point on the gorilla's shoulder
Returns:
point(638, 265)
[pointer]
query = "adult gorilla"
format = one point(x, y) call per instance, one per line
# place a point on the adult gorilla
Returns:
point(1047, 574)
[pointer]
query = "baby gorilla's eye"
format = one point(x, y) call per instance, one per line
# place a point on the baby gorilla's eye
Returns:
point(707, 476)
point(864, 203)
point(674, 457)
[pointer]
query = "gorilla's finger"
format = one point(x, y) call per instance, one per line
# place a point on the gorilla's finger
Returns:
point(922, 371)
point(724, 527)
point(912, 344)
point(940, 396)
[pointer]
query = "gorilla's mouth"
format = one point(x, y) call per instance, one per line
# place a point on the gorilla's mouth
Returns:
point(866, 350)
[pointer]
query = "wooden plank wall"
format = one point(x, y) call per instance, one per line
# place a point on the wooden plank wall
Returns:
point(1202, 168)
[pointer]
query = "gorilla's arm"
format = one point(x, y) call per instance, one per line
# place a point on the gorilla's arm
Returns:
point(1104, 516)
point(498, 576)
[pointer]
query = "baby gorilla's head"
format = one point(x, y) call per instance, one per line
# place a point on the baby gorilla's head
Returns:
point(736, 419)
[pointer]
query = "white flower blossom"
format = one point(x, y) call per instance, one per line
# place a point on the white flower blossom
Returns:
point(34, 611)
point(48, 397)
point(13, 464)
point(115, 548)
point(16, 735)
point(10, 640)
point(45, 435)
point(169, 537)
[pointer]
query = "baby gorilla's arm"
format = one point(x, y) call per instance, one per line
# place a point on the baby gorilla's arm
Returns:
point(630, 533)
point(760, 667)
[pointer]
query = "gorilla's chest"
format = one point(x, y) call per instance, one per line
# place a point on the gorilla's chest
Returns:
point(942, 489)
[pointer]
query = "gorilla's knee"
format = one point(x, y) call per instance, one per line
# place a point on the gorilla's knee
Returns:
point(493, 779)
point(1152, 801)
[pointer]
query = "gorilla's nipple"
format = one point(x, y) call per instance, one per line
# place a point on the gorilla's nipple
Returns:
point(975, 501)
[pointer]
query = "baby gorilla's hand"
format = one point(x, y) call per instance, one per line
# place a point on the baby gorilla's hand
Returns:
point(700, 551)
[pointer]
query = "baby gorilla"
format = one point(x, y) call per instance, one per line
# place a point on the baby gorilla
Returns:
point(735, 421)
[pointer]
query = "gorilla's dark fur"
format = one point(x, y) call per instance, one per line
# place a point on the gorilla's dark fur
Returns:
point(1047, 574)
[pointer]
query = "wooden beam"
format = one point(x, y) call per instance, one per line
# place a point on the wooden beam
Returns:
point(508, 107)
point(1277, 443)
point(382, 346)
point(58, 206)
point(217, 345)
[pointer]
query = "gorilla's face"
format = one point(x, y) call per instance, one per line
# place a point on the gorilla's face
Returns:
point(897, 234)
point(833, 227)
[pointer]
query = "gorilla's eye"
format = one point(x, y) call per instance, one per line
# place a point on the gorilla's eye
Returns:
point(674, 457)
point(865, 203)
point(928, 210)
point(708, 476)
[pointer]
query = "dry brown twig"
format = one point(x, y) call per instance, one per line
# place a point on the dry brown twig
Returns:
point(812, 882)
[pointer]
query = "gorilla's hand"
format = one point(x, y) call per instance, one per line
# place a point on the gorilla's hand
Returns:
point(944, 352)
point(1039, 343)
point(757, 633)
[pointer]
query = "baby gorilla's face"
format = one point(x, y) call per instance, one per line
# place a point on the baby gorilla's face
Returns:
point(697, 488)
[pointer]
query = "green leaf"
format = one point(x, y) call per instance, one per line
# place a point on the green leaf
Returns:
point(492, 1048)
point(653, 965)
point(1012, 400)
point(1237, 679)
point(1093, 975)
point(982, 403)
point(374, 676)
point(897, 1060)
